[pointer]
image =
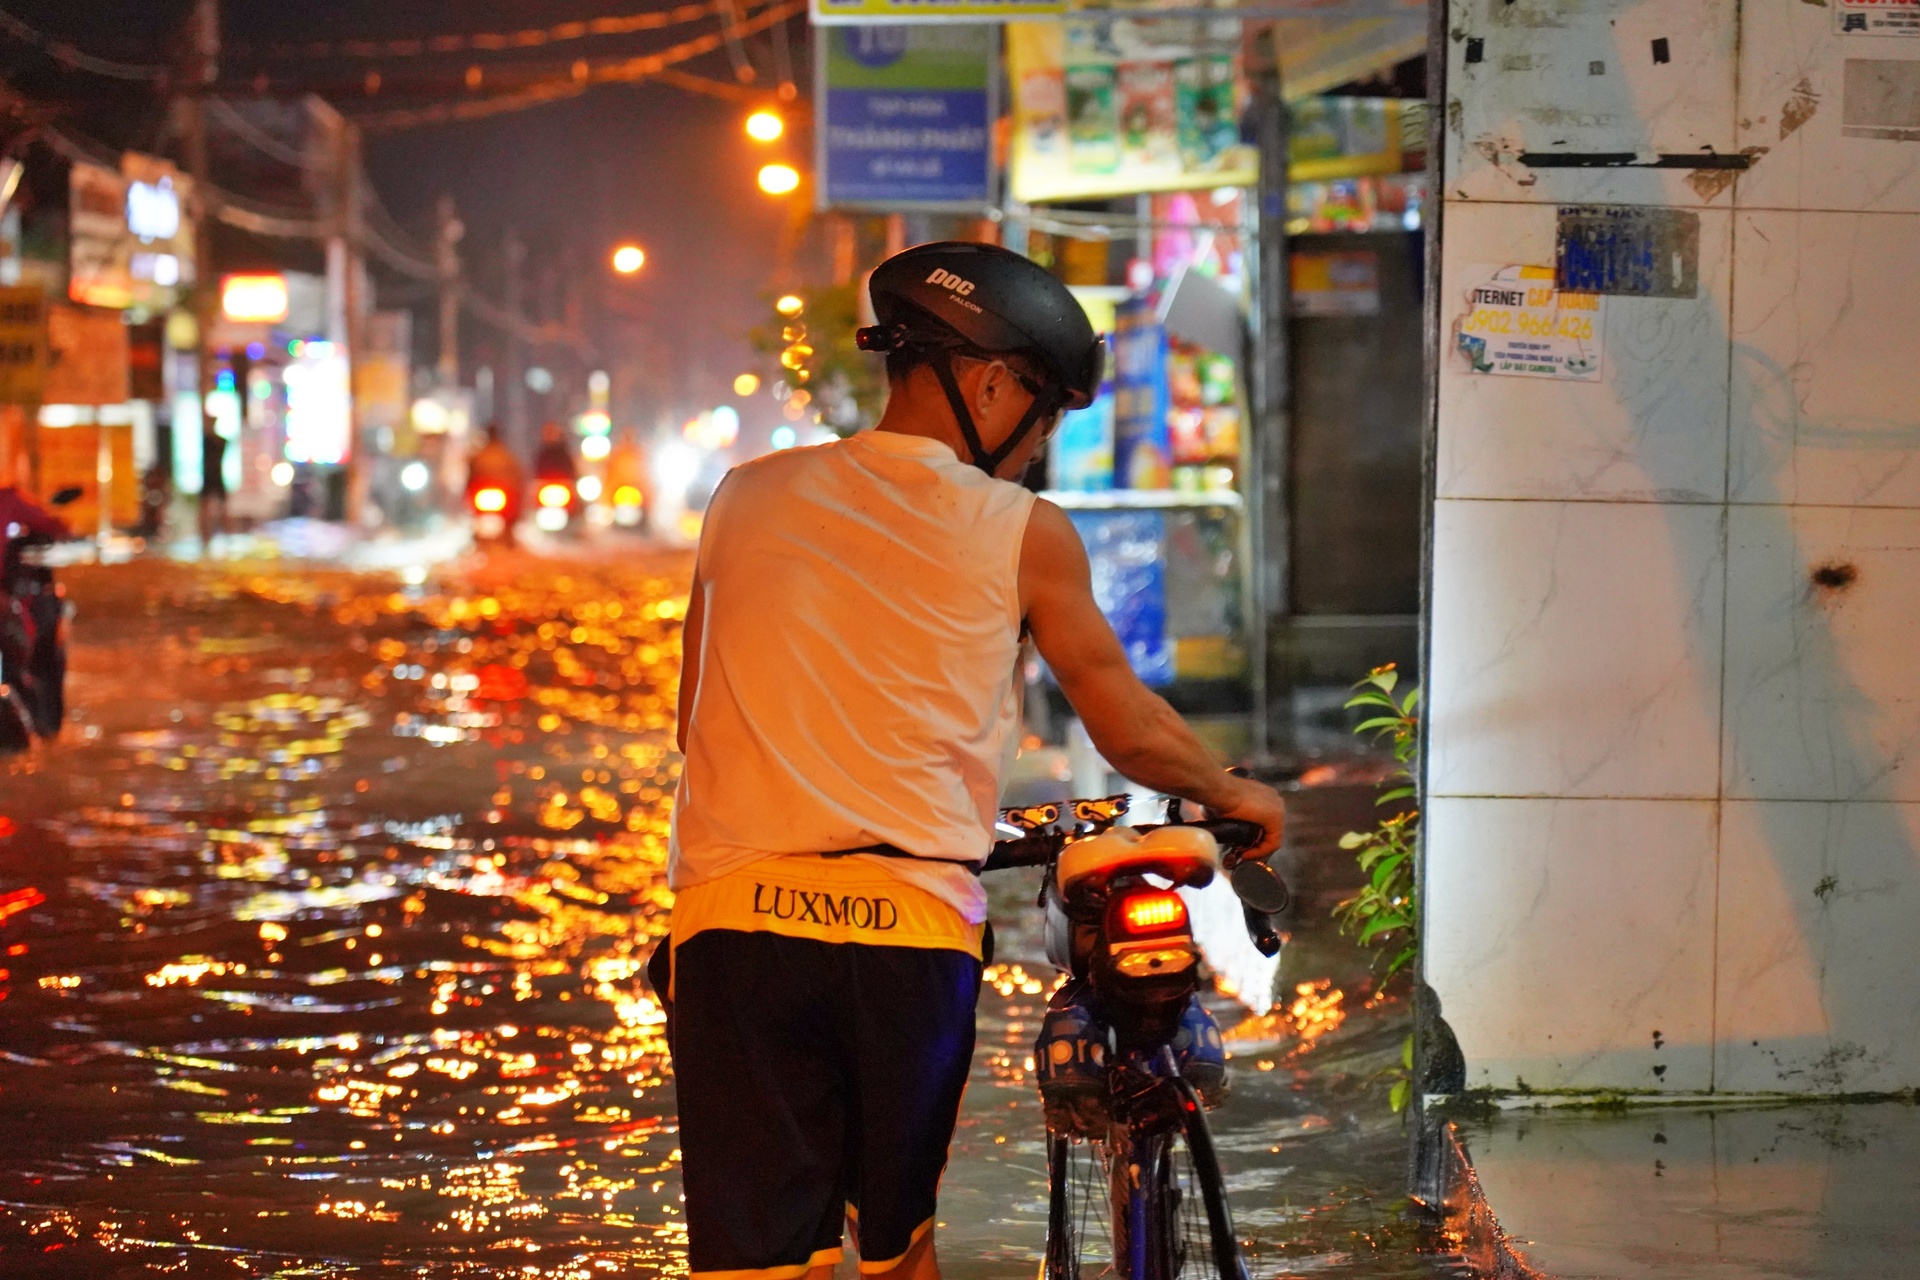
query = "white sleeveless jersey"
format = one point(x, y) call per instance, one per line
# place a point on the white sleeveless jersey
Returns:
point(857, 662)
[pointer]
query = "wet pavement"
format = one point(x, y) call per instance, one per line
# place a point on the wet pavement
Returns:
point(322, 938)
point(1753, 1191)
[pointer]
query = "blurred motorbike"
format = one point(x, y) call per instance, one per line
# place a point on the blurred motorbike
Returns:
point(34, 618)
point(495, 509)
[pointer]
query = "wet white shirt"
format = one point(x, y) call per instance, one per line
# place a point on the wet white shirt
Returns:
point(857, 663)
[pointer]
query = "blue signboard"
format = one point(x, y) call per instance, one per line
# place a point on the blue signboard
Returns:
point(904, 116)
point(1142, 440)
point(1127, 551)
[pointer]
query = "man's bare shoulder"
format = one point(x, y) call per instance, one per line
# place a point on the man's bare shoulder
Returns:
point(1051, 553)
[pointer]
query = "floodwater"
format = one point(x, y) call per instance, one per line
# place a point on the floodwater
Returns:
point(323, 932)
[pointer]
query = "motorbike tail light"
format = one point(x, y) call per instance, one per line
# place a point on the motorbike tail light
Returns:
point(490, 500)
point(1157, 912)
point(555, 495)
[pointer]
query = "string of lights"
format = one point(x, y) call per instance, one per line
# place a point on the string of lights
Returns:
point(65, 54)
point(488, 41)
point(712, 88)
point(625, 71)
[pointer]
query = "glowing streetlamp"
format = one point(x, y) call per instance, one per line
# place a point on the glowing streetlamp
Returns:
point(790, 304)
point(746, 384)
point(629, 258)
point(779, 179)
point(765, 125)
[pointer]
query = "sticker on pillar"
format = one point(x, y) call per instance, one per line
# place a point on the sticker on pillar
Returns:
point(1628, 251)
point(1876, 17)
point(1518, 323)
point(1880, 98)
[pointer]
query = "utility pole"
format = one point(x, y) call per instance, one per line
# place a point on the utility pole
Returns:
point(202, 69)
point(354, 291)
point(1269, 450)
point(515, 391)
point(447, 260)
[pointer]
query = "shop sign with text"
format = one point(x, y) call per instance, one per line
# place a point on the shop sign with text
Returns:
point(905, 116)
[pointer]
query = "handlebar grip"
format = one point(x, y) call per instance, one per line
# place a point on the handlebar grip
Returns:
point(1260, 929)
point(1235, 836)
point(1027, 851)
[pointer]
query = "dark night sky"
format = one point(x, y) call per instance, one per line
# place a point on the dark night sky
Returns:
point(665, 167)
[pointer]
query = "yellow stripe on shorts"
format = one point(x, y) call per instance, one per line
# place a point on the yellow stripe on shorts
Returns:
point(826, 899)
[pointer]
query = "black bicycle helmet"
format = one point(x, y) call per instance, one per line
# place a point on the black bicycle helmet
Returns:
point(959, 298)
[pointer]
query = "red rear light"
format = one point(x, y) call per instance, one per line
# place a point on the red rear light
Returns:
point(555, 495)
point(1156, 912)
point(490, 500)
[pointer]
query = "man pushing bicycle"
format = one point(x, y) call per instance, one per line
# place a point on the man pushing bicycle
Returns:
point(848, 697)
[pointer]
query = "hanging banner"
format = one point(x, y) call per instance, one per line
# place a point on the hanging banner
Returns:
point(834, 12)
point(905, 116)
point(1103, 109)
point(1142, 442)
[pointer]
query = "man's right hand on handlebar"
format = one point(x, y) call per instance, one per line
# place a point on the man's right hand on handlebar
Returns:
point(1251, 801)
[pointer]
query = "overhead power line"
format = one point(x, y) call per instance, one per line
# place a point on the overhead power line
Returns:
point(488, 41)
point(62, 52)
point(256, 137)
point(625, 71)
point(712, 88)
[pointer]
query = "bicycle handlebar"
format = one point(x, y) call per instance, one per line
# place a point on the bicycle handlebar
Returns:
point(1235, 837)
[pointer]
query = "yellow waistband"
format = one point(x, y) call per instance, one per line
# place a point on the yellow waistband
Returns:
point(827, 899)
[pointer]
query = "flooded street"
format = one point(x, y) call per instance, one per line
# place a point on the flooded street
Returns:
point(323, 932)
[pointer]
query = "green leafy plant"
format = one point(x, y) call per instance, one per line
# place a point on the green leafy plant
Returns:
point(1386, 911)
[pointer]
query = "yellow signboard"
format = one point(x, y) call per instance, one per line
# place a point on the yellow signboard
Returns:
point(829, 12)
point(1124, 107)
point(23, 345)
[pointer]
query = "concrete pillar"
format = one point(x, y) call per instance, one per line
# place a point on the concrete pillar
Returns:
point(1673, 795)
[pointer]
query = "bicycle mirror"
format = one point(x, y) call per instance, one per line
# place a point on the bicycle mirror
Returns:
point(1261, 887)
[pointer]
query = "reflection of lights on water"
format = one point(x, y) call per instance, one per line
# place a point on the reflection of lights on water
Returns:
point(322, 884)
point(550, 519)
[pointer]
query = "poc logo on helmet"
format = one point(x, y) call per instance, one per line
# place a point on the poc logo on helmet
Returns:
point(947, 280)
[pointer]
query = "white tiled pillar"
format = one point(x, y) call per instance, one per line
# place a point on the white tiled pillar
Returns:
point(1673, 787)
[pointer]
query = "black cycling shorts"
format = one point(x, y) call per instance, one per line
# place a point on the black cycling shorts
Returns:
point(818, 1082)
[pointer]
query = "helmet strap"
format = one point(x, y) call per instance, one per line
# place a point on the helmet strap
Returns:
point(1045, 402)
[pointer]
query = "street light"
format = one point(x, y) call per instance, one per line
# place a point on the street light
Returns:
point(790, 304)
point(779, 179)
point(629, 258)
point(746, 384)
point(765, 126)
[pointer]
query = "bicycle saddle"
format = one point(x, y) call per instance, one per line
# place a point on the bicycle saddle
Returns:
point(1184, 855)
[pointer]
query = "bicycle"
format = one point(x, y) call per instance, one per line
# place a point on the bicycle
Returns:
point(1147, 1178)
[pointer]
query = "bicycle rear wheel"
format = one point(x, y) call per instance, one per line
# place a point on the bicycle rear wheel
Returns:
point(1080, 1237)
point(1148, 1206)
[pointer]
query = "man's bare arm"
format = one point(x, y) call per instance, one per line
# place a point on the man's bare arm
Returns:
point(1133, 727)
point(690, 631)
